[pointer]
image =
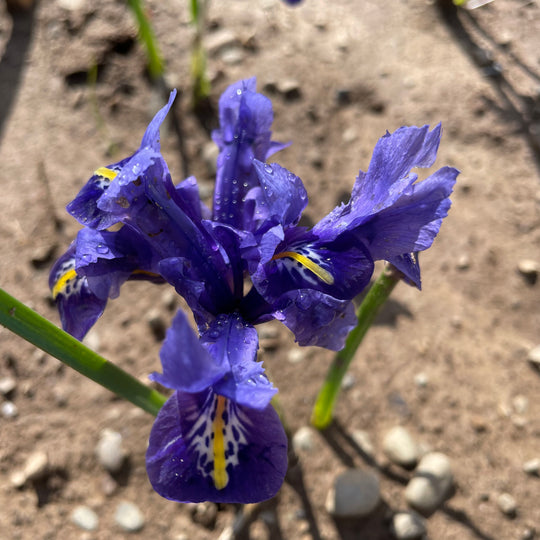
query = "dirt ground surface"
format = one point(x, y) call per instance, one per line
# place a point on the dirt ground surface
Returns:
point(448, 363)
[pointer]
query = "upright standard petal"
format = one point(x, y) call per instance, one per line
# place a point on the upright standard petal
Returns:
point(244, 134)
point(205, 447)
point(91, 207)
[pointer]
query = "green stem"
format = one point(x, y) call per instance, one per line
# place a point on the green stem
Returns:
point(147, 37)
point(323, 410)
point(32, 327)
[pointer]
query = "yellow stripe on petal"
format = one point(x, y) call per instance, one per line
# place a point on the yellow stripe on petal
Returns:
point(109, 174)
point(60, 285)
point(221, 478)
point(318, 270)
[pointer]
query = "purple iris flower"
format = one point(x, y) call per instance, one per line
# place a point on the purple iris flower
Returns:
point(218, 437)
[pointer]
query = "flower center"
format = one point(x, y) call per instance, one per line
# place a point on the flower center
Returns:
point(313, 267)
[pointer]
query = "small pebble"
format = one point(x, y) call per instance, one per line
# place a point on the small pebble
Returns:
point(364, 442)
point(400, 447)
point(289, 89)
point(529, 270)
point(534, 356)
point(532, 467)
point(204, 513)
point(109, 451)
point(296, 355)
point(7, 385)
point(431, 483)
point(303, 439)
point(507, 504)
point(9, 409)
point(520, 403)
point(129, 517)
point(71, 5)
point(463, 262)
point(92, 340)
point(408, 526)
point(528, 534)
point(355, 494)
point(348, 381)
point(218, 41)
point(421, 380)
point(35, 467)
point(85, 518)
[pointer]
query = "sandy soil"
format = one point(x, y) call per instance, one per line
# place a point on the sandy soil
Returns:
point(359, 68)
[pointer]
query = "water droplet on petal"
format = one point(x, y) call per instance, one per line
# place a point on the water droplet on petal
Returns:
point(268, 168)
point(102, 249)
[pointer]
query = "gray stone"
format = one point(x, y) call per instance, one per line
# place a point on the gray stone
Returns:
point(109, 450)
point(408, 526)
point(355, 494)
point(303, 439)
point(129, 517)
point(431, 483)
point(532, 467)
point(400, 447)
point(85, 518)
point(507, 504)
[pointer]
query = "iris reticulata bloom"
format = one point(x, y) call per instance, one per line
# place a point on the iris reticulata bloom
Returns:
point(218, 438)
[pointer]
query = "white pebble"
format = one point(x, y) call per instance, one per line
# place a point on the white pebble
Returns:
point(129, 517)
point(431, 483)
point(507, 504)
point(7, 385)
point(85, 518)
point(355, 494)
point(408, 526)
point(9, 409)
point(36, 466)
point(400, 447)
point(109, 451)
point(296, 355)
point(364, 442)
point(534, 356)
point(303, 439)
point(532, 467)
point(421, 380)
